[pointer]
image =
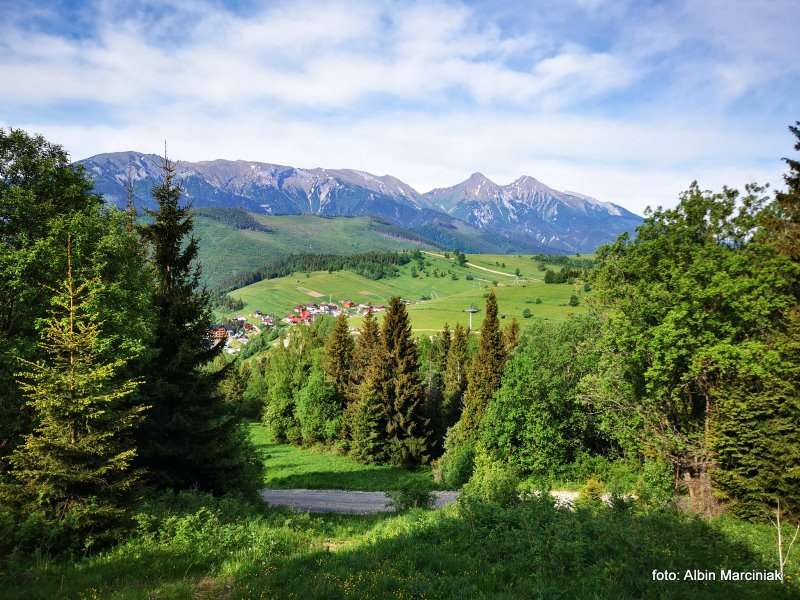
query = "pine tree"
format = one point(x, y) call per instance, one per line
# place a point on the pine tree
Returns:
point(406, 426)
point(485, 373)
point(455, 376)
point(367, 415)
point(188, 439)
point(338, 361)
point(369, 340)
point(74, 471)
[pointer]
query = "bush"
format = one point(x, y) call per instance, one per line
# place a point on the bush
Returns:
point(527, 314)
point(455, 467)
point(656, 484)
point(317, 410)
point(591, 494)
point(492, 482)
point(412, 493)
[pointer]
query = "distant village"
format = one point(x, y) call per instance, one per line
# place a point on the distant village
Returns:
point(238, 331)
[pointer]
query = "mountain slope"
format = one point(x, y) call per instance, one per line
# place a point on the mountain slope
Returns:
point(529, 208)
point(476, 215)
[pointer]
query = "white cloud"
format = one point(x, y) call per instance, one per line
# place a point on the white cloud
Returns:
point(318, 83)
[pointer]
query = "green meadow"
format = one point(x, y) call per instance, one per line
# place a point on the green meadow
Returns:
point(434, 300)
point(226, 250)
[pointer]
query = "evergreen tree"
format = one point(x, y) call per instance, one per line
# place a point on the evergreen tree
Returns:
point(455, 376)
point(485, 373)
point(367, 415)
point(73, 473)
point(443, 347)
point(369, 340)
point(400, 387)
point(338, 361)
point(188, 438)
point(754, 431)
point(511, 336)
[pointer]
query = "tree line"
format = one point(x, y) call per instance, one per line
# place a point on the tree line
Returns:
point(372, 265)
point(104, 387)
point(684, 373)
point(381, 395)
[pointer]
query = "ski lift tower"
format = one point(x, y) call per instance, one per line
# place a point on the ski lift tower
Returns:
point(471, 310)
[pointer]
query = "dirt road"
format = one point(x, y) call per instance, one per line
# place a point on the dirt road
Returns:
point(340, 501)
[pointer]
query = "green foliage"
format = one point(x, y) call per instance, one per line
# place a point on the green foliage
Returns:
point(73, 473)
point(455, 467)
point(655, 487)
point(573, 300)
point(591, 494)
point(535, 420)
point(372, 265)
point(692, 300)
point(318, 409)
point(367, 418)
point(455, 376)
point(398, 384)
point(238, 218)
point(188, 438)
point(526, 313)
point(484, 375)
point(338, 361)
point(492, 482)
point(43, 200)
point(412, 494)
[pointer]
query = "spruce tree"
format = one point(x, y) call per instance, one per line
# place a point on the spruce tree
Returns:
point(367, 415)
point(188, 439)
point(73, 473)
point(406, 426)
point(455, 376)
point(511, 336)
point(368, 342)
point(754, 433)
point(485, 373)
point(338, 360)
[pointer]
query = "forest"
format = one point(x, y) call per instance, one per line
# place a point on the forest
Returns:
point(673, 401)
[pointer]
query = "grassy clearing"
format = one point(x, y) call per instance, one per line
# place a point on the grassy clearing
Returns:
point(289, 467)
point(225, 250)
point(193, 546)
point(446, 297)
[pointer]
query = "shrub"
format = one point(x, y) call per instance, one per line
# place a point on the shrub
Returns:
point(591, 494)
point(412, 493)
point(492, 482)
point(317, 410)
point(456, 466)
point(656, 484)
point(527, 314)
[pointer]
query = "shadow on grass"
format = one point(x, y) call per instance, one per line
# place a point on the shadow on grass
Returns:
point(367, 480)
point(532, 551)
point(529, 551)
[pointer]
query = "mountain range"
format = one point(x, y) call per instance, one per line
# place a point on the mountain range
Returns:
point(524, 216)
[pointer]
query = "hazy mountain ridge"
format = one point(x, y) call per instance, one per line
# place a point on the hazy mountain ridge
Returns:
point(525, 215)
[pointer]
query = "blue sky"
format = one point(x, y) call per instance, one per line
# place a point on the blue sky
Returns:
point(625, 101)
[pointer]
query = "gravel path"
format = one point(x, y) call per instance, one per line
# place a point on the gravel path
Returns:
point(363, 503)
point(340, 501)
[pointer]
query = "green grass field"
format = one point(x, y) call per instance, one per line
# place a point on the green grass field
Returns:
point(287, 466)
point(194, 547)
point(225, 250)
point(448, 297)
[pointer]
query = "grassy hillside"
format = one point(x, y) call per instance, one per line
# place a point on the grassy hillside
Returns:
point(226, 250)
point(447, 297)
